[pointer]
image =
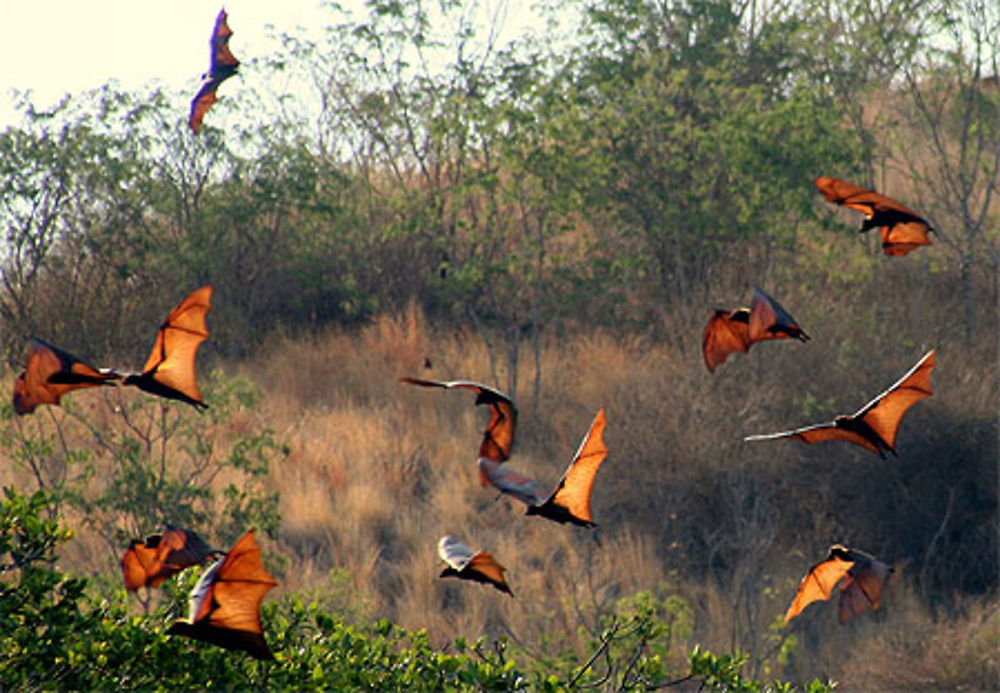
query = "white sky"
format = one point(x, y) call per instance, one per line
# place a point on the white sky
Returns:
point(54, 47)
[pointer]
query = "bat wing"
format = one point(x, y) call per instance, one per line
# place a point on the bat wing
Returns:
point(203, 100)
point(862, 590)
point(905, 236)
point(818, 584)
point(725, 333)
point(819, 433)
point(863, 200)
point(49, 373)
point(570, 502)
point(179, 549)
point(884, 413)
point(485, 565)
point(476, 566)
point(768, 320)
point(498, 438)
point(453, 552)
point(225, 604)
point(170, 369)
point(506, 480)
point(138, 563)
point(223, 66)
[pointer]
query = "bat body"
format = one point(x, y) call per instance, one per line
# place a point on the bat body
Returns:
point(170, 369)
point(225, 604)
point(903, 230)
point(223, 66)
point(150, 563)
point(570, 501)
point(466, 564)
point(875, 425)
point(860, 576)
point(498, 438)
point(49, 373)
point(739, 329)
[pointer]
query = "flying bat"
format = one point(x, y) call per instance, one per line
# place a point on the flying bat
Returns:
point(739, 329)
point(903, 230)
point(466, 564)
point(49, 373)
point(860, 576)
point(223, 66)
point(150, 563)
point(570, 501)
point(498, 438)
point(874, 426)
point(225, 604)
point(169, 371)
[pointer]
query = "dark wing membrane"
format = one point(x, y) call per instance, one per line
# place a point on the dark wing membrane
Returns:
point(818, 584)
point(203, 100)
point(860, 199)
point(222, 58)
point(819, 433)
point(768, 320)
point(903, 237)
point(862, 591)
point(484, 564)
point(574, 489)
point(49, 373)
point(723, 335)
point(884, 413)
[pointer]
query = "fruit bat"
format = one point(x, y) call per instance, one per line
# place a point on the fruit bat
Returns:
point(169, 372)
point(225, 604)
point(466, 564)
point(223, 66)
point(570, 501)
point(874, 426)
point(903, 230)
point(737, 330)
point(860, 576)
point(150, 563)
point(49, 373)
point(498, 438)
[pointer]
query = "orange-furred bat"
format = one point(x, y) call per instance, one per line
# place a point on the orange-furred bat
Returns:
point(225, 604)
point(903, 230)
point(169, 371)
point(739, 329)
point(498, 438)
point(223, 66)
point(874, 426)
point(860, 576)
point(150, 563)
point(570, 501)
point(464, 563)
point(49, 373)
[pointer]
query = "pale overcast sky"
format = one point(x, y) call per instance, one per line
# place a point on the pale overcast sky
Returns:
point(57, 46)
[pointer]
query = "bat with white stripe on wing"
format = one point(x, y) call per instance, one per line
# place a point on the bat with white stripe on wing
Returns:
point(466, 564)
point(570, 501)
point(875, 425)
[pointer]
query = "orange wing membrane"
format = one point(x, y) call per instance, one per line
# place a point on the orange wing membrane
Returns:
point(860, 576)
point(170, 369)
point(903, 230)
point(875, 425)
point(150, 563)
point(739, 329)
point(466, 564)
point(570, 501)
point(49, 373)
point(223, 66)
point(225, 604)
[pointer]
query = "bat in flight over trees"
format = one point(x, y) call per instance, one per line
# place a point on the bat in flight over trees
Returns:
point(169, 371)
point(903, 230)
point(150, 563)
point(860, 576)
point(466, 564)
point(223, 66)
point(498, 438)
point(225, 604)
point(737, 330)
point(874, 426)
point(49, 373)
point(570, 501)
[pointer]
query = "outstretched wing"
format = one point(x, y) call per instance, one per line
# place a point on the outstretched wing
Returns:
point(570, 502)
point(170, 369)
point(49, 373)
point(478, 566)
point(506, 480)
point(884, 413)
point(818, 584)
point(768, 320)
point(498, 438)
point(819, 433)
point(223, 66)
point(863, 200)
point(726, 332)
point(453, 552)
